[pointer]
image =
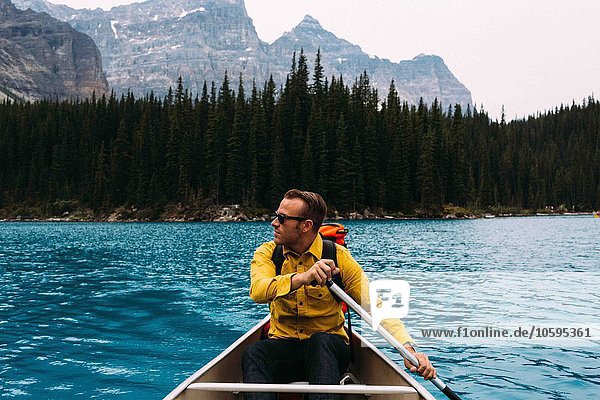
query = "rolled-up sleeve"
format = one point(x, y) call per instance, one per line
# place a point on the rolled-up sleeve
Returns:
point(265, 286)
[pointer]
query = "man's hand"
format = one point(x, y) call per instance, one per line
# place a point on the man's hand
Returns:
point(319, 273)
point(426, 370)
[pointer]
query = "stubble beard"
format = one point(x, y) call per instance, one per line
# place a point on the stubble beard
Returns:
point(286, 241)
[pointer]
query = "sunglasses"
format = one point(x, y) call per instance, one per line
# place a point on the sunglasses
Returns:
point(282, 217)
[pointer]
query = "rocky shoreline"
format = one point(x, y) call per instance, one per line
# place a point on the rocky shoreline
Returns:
point(236, 213)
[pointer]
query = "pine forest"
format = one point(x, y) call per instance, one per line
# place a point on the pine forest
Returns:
point(226, 146)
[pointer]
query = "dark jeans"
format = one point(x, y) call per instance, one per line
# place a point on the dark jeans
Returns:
point(322, 359)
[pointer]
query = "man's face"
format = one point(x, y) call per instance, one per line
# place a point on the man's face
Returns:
point(288, 232)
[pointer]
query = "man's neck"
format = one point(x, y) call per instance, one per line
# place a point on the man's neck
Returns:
point(303, 244)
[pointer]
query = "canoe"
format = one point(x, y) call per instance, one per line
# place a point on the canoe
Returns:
point(376, 376)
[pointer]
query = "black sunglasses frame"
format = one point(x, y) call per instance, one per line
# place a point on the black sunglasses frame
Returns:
point(282, 217)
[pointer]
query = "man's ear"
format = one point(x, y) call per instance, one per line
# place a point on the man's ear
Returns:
point(308, 225)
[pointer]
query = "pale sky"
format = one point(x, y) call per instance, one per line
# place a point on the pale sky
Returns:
point(528, 55)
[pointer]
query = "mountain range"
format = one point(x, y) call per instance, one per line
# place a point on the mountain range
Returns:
point(41, 57)
point(148, 46)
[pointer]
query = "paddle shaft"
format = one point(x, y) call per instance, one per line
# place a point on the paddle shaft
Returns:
point(388, 337)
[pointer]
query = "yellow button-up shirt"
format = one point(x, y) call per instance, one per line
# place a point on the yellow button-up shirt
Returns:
point(301, 313)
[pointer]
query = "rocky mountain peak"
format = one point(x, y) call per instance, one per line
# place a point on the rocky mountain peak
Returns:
point(310, 35)
point(147, 46)
point(6, 7)
point(309, 22)
point(431, 58)
point(41, 57)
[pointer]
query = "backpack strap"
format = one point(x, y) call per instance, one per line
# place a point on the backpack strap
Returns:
point(329, 252)
point(278, 259)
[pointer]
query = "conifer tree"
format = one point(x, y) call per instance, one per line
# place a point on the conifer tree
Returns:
point(457, 173)
point(141, 166)
point(396, 190)
point(234, 183)
point(120, 165)
point(101, 180)
point(318, 77)
point(256, 134)
point(343, 198)
point(307, 178)
point(428, 178)
point(265, 143)
point(277, 185)
point(199, 140)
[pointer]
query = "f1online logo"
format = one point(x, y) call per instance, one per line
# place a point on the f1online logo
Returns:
point(389, 299)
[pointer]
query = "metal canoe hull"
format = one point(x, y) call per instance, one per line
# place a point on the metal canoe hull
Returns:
point(372, 367)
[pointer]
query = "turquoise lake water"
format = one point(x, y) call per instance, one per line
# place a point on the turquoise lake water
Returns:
point(127, 311)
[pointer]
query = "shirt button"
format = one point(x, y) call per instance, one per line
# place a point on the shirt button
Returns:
point(320, 294)
point(300, 263)
point(301, 303)
point(301, 330)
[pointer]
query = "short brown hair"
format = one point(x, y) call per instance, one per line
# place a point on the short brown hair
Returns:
point(315, 208)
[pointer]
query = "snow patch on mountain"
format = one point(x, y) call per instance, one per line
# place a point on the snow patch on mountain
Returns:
point(114, 29)
point(186, 13)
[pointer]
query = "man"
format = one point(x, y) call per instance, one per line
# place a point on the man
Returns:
point(307, 340)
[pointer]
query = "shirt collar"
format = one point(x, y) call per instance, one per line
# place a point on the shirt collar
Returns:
point(316, 248)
